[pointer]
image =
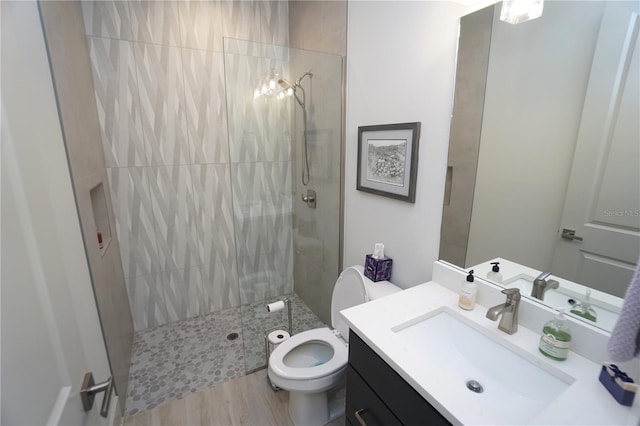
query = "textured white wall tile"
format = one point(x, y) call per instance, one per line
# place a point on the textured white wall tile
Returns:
point(241, 19)
point(161, 87)
point(116, 92)
point(216, 239)
point(243, 74)
point(220, 285)
point(274, 19)
point(183, 293)
point(206, 107)
point(134, 220)
point(201, 25)
point(173, 210)
point(155, 22)
point(259, 129)
point(146, 299)
point(107, 19)
point(277, 178)
point(213, 212)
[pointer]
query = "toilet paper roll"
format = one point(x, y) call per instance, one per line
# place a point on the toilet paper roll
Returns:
point(278, 336)
point(275, 306)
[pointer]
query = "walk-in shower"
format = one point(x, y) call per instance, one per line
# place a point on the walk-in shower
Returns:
point(282, 246)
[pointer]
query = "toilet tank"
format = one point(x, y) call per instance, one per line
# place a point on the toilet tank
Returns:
point(353, 288)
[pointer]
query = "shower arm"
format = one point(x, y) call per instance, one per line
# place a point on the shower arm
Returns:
point(306, 74)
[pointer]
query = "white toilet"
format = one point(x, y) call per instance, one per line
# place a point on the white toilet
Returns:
point(312, 362)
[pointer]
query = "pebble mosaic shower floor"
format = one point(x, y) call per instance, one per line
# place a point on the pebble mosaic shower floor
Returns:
point(174, 360)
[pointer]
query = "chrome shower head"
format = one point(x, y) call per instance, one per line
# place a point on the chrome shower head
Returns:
point(286, 84)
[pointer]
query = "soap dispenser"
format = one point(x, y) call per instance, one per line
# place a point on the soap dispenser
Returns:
point(584, 309)
point(494, 274)
point(556, 338)
point(468, 293)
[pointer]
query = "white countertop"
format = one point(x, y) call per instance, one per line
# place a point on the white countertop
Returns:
point(585, 402)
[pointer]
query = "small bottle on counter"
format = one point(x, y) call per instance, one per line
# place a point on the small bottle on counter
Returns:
point(556, 338)
point(468, 293)
point(494, 274)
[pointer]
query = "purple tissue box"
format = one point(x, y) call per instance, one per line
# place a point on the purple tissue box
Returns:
point(377, 269)
point(623, 396)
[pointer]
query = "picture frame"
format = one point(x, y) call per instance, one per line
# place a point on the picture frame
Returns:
point(388, 160)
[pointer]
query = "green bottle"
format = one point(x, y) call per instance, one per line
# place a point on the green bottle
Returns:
point(584, 309)
point(556, 338)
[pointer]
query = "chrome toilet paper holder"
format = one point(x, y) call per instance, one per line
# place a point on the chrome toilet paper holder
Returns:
point(267, 347)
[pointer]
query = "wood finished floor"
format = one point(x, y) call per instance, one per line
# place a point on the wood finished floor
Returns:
point(245, 401)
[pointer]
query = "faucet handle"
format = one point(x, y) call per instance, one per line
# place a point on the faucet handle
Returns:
point(543, 275)
point(512, 294)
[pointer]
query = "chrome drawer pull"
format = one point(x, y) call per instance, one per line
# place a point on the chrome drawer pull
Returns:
point(359, 417)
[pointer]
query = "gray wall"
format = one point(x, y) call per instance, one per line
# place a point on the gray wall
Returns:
point(74, 89)
point(318, 26)
point(464, 142)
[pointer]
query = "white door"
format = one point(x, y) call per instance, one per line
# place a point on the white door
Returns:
point(603, 197)
point(50, 329)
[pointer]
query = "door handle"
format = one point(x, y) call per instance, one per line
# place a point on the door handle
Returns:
point(90, 389)
point(570, 234)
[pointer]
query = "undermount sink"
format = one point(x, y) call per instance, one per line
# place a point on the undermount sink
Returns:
point(514, 388)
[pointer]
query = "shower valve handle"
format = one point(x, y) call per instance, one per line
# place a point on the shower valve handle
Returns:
point(310, 198)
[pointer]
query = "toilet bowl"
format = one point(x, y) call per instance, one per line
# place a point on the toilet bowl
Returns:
point(314, 361)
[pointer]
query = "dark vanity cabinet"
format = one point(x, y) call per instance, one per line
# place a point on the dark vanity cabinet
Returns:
point(377, 395)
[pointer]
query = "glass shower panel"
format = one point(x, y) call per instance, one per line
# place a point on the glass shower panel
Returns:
point(266, 183)
point(260, 150)
point(316, 233)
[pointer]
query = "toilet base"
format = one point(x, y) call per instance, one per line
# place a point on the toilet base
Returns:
point(308, 409)
point(316, 408)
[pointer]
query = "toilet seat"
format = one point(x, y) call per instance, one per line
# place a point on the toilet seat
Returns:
point(323, 335)
point(302, 375)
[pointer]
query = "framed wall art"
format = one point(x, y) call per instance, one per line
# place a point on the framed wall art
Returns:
point(388, 160)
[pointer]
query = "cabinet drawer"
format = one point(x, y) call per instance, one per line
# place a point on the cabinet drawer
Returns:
point(363, 401)
point(402, 399)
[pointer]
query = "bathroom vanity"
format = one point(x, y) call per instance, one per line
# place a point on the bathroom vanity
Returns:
point(376, 394)
point(415, 358)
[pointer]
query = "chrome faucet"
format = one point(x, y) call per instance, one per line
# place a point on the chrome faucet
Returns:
point(541, 285)
point(508, 310)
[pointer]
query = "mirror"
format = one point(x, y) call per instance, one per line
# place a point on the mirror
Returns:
point(545, 138)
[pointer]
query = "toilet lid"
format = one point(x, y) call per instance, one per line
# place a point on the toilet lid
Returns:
point(349, 291)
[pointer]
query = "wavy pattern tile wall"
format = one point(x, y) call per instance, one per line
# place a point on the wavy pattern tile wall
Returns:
point(260, 152)
point(158, 70)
